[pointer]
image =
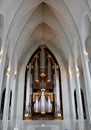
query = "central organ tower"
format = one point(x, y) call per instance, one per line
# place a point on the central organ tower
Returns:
point(43, 96)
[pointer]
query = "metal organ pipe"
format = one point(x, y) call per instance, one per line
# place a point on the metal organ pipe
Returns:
point(36, 70)
point(36, 105)
point(57, 92)
point(49, 105)
point(42, 101)
point(49, 71)
point(28, 93)
point(42, 62)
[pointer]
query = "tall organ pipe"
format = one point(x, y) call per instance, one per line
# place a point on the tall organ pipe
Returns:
point(36, 70)
point(28, 92)
point(49, 71)
point(42, 62)
point(57, 91)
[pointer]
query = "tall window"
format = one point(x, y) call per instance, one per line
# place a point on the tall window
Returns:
point(83, 104)
point(2, 103)
point(76, 108)
point(9, 111)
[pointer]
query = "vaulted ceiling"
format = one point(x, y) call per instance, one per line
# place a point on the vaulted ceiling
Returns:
point(56, 23)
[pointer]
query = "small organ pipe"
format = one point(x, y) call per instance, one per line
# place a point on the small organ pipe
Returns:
point(42, 101)
point(49, 105)
point(36, 105)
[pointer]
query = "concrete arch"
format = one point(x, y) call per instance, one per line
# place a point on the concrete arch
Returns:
point(32, 39)
point(1, 27)
point(86, 28)
point(47, 3)
point(37, 23)
point(88, 45)
point(0, 44)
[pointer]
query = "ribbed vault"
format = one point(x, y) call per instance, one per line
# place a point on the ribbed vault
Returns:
point(42, 23)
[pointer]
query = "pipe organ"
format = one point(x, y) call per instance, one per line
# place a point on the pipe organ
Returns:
point(43, 98)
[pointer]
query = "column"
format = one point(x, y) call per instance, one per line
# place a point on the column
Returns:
point(78, 93)
point(1, 75)
point(87, 79)
point(72, 87)
point(14, 80)
point(7, 98)
point(2, 65)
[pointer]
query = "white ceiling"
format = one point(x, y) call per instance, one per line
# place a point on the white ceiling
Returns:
point(55, 22)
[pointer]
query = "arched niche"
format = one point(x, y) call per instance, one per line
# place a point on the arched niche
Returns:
point(43, 95)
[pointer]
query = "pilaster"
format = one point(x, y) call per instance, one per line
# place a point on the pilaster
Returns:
point(7, 99)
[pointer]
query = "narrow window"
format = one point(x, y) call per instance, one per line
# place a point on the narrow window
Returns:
point(76, 109)
point(83, 104)
point(2, 104)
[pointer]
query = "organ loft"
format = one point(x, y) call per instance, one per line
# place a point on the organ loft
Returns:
point(43, 96)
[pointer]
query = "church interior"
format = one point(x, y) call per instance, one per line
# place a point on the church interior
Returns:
point(45, 65)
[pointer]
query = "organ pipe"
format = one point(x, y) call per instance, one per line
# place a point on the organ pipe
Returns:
point(36, 70)
point(42, 101)
point(49, 71)
point(57, 91)
point(36, 105)
point(42, 62)
point(46, 105)
point(28, 96)
point(49, 104)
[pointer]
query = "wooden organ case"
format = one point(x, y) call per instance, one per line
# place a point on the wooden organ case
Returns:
point(43, 97)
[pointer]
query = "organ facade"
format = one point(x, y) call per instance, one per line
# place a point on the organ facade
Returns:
point(43, 97)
